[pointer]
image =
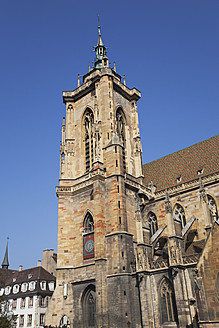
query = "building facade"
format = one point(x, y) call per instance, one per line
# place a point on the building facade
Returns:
point(27, 294)
point(137, 245)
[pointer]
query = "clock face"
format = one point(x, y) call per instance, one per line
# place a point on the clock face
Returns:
point(89, 246)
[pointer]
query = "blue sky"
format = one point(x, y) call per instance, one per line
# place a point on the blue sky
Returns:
point(168, 49)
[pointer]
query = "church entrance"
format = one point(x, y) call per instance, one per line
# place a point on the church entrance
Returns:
point(89, 307)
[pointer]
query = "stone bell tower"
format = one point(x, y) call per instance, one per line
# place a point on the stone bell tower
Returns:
point(100, 176)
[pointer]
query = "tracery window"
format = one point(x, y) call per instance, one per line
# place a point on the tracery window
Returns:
point(179, 215)
point(88, 223)
point(64, 322)
point(88, 237)
point(88, 126)
point(212, 208)
point(167, 302)
point(120, 130)
point(89, 308)
point(152, 221)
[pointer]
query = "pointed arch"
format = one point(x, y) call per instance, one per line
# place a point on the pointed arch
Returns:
point(179, 215)
point(120, 131)
point(120, 123)
point(88, 223)
point(152, 221)
point(212, 206)
point(167, 301)
point(89, 306)
point(88, 236)
point(88, 121)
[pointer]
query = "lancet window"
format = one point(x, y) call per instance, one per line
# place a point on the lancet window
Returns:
point(120, 130)
point(88, 237)
point(152, 221)
point(212, 208)
point(179, 215)
point(167, 302)
point(88, 223)
point(89, 308)
point(88, 127)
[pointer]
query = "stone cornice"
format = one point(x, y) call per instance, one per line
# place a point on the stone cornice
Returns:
point(84, 182)
point(187, 186)
point(133, 182)
point(89, 85)
point(130, 94)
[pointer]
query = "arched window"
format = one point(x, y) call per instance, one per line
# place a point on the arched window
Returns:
point(212, 208)
point(152, 221)
point(167, 304)
point(88, 125)
point(88, 223)
point(179, 215)
point(120, 131)
point(88, 237)
point(64, 322)
point(89, 307)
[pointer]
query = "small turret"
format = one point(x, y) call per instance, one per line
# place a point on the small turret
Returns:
point(5, 263)
point(100, 50)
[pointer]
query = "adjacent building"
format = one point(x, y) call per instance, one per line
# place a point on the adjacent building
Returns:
point(27, 292)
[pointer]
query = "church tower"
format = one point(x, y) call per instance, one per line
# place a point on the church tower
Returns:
point(99, 196)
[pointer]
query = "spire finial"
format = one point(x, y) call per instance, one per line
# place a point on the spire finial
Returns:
point(100, 51)
point(5, 263)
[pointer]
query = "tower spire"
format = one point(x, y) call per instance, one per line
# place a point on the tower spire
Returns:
point(100, 50)
point(5, 263)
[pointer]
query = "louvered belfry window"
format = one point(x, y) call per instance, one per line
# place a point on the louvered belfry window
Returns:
point(88, 125)
point(120, 130)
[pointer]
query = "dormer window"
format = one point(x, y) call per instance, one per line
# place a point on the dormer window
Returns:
point(7, 290)
point(43, 285)
point(178, 180)
point(199, 172)
point(15, 289)
point(24, 287)
point(30, 276)
point(32, 285)
point(51, 286)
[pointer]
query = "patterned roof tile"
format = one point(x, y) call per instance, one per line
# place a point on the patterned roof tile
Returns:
point(185, 163)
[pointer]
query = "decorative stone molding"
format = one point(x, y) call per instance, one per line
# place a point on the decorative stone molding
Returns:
point(187, 186)
point(168, 206)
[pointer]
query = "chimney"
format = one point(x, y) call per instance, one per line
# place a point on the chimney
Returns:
point(20, 267)
point(39, 263)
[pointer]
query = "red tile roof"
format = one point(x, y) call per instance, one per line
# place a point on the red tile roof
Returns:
point(185, 163)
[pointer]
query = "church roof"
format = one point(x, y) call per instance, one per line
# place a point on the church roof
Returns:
point(184, 165)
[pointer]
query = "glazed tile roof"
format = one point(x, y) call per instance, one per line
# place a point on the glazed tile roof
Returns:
point(186, 163)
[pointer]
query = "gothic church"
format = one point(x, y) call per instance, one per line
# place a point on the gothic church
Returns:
point(138, 245)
